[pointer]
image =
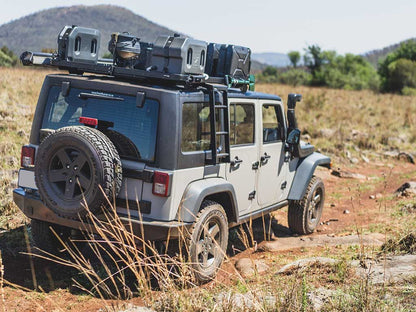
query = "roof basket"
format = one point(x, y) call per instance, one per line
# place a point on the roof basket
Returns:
point(169, 60)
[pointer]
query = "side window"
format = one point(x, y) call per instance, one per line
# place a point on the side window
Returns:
point(241, 124)
point(196, 135)
point(272, 123)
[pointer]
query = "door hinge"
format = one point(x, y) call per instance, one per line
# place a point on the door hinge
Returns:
point(252, 195)
point(283, 186)
point(255, 165)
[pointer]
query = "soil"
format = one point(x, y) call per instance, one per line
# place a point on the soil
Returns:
point(349, 209)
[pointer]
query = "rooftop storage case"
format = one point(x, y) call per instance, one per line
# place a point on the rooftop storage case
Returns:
point(231, 60)
point(79, 44)
point(179, 55)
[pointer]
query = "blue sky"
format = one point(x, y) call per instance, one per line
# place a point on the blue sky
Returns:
point(267, 25)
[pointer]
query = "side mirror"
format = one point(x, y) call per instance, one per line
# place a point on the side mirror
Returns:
point(294, 137)
point(292, 144)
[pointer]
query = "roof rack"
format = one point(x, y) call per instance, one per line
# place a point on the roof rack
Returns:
point(170, 60)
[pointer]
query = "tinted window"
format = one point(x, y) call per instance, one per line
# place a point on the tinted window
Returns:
point(196, 127)
point(132, 129)
point(272, 127)
point(241, 124)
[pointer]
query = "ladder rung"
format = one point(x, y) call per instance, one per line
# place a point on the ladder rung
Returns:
point(223, 155)
point(221, 132)
point(221, 106)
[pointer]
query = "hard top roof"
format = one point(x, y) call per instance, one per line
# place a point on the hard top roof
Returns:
point(232, 93)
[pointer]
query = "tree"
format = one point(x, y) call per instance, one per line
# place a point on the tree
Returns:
point(393, 71)
point(270, 71)
point(7, 57)
point(294, 57)
point(401, 74)
point(313, 59)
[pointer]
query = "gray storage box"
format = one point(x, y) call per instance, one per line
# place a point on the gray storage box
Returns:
point(79, 44)
point(179, 55)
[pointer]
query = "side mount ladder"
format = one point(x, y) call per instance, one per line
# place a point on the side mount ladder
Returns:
point(219, 152)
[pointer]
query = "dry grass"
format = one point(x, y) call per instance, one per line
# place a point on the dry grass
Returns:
point(361, 122)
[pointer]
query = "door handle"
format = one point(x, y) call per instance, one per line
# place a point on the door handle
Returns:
point(265, 157)
point(236, 161)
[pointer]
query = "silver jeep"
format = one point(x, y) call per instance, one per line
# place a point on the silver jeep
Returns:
point(173, 150)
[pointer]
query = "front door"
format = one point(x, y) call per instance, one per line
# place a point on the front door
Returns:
point(241, 172)
point(272, 185)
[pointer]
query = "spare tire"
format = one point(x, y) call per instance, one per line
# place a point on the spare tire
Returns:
point(77, 165)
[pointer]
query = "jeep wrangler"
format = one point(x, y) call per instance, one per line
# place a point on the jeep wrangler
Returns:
point(178, 148)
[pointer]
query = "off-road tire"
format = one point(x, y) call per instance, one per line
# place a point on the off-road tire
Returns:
point(304, 215)
point(208, 240)
point(123, 144)
point(77, 165)
point(45, 239)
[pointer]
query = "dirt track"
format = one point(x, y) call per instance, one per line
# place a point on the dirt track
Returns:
point(343, 195)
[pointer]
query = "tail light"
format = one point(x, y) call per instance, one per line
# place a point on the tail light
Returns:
point(161, 183)
point(27, 158)
point(87, 121)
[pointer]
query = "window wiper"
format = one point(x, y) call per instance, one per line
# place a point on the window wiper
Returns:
point(97, 96)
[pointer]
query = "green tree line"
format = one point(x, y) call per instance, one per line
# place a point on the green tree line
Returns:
point(396, 73)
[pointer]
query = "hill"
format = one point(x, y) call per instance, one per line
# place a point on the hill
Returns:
point(374, 56)
point(40, 30)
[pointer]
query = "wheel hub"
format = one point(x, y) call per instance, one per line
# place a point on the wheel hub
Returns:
point(70, 173)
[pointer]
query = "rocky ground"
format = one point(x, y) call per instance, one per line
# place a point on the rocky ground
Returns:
point(365, 207)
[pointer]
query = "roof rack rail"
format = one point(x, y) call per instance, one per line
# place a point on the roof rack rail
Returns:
point(170, 60)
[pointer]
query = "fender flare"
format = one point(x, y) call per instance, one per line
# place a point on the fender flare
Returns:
point(197, 191)
point(304, 172)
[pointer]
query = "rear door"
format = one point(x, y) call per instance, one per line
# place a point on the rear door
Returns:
point(241, 172)
point(272, 173)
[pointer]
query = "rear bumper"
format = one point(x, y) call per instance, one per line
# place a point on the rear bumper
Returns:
point(153, 230)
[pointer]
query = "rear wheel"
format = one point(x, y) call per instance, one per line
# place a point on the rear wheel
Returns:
point(208, 241)
point(44, 238)
point(304, 215)
point(77, 166)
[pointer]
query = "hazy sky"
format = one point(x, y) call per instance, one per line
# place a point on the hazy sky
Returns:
point(355, 26)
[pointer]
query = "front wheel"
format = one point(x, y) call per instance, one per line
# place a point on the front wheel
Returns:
point(304, 215)
point(208, 241)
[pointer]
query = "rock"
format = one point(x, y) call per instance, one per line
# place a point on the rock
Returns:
point(348, 175)
point(319, 297)
point(346, 211)
point(248, 267)
point(354, 160)
point(302, 264)
point(376, 196)
point(409, 208)
point(393, 269)
point(132, 308)
point(407, 189)
point(400, 155)
point(288, 243)
point(366, 160)
point(406, 157)
point(394, 153)
point(242, 302)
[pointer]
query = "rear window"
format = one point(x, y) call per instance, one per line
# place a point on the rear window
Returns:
point(131, 128)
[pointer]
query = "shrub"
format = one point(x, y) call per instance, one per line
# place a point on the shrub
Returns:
point(398, 69)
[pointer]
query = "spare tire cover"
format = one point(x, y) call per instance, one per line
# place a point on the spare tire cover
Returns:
point(76, 167)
